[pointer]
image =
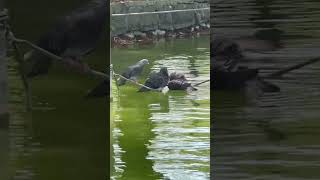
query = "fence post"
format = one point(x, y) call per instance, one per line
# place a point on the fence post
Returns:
point(4, 118)
point(3, 77)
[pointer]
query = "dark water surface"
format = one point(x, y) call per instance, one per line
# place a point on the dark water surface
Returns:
point(65, 136)
point(270, 136)
point(162, 136)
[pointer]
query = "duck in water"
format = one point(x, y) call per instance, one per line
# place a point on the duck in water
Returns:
point(178, 81)
point(226, 72)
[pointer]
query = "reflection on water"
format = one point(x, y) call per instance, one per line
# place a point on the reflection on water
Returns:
point(65, 136)
point(274, 136)
point(163, 136)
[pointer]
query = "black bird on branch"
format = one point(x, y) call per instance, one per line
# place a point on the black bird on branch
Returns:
point(72, 37)
point(156, 80)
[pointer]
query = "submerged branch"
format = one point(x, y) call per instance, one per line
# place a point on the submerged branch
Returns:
point(208, 80)
point(288, 69)
point(136, 83)
point(55, 57)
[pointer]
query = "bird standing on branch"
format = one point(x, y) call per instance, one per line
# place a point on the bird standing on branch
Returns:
point(156, 80)
point(72, 37)
point(133, 72)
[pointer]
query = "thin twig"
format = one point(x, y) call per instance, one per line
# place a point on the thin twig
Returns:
point(115, 78)
point(136, 83)
point(208, 80)
point(55, 57)
point(288, 69)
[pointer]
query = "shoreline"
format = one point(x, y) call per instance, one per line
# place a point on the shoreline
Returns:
point(150, 37)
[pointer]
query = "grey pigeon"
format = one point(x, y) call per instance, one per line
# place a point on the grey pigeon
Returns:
point(72, 37)
point(133, 71)
point(156, 80)
point(179, 82)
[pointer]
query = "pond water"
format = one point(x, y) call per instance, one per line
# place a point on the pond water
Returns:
point(270, 136)
point(65, 136)
point(162, 136)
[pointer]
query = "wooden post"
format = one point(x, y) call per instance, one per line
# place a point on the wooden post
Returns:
point(3, 77)
point(4, 118)
point(111, 74)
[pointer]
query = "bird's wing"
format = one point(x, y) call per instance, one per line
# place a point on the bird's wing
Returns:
point(136, 70)
point(127, 73)
point(164, 81)
point(151, 81)
point(158, 81)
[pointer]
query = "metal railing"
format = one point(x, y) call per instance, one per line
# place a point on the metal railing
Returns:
point(161, 12)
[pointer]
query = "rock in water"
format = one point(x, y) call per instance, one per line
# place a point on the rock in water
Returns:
point(156, 80)
point(133, 71)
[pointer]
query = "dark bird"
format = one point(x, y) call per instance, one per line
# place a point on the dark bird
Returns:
point(177, 81)
point(133, 72)
point(156, 80)
point(225, 54)
point(72, 37)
